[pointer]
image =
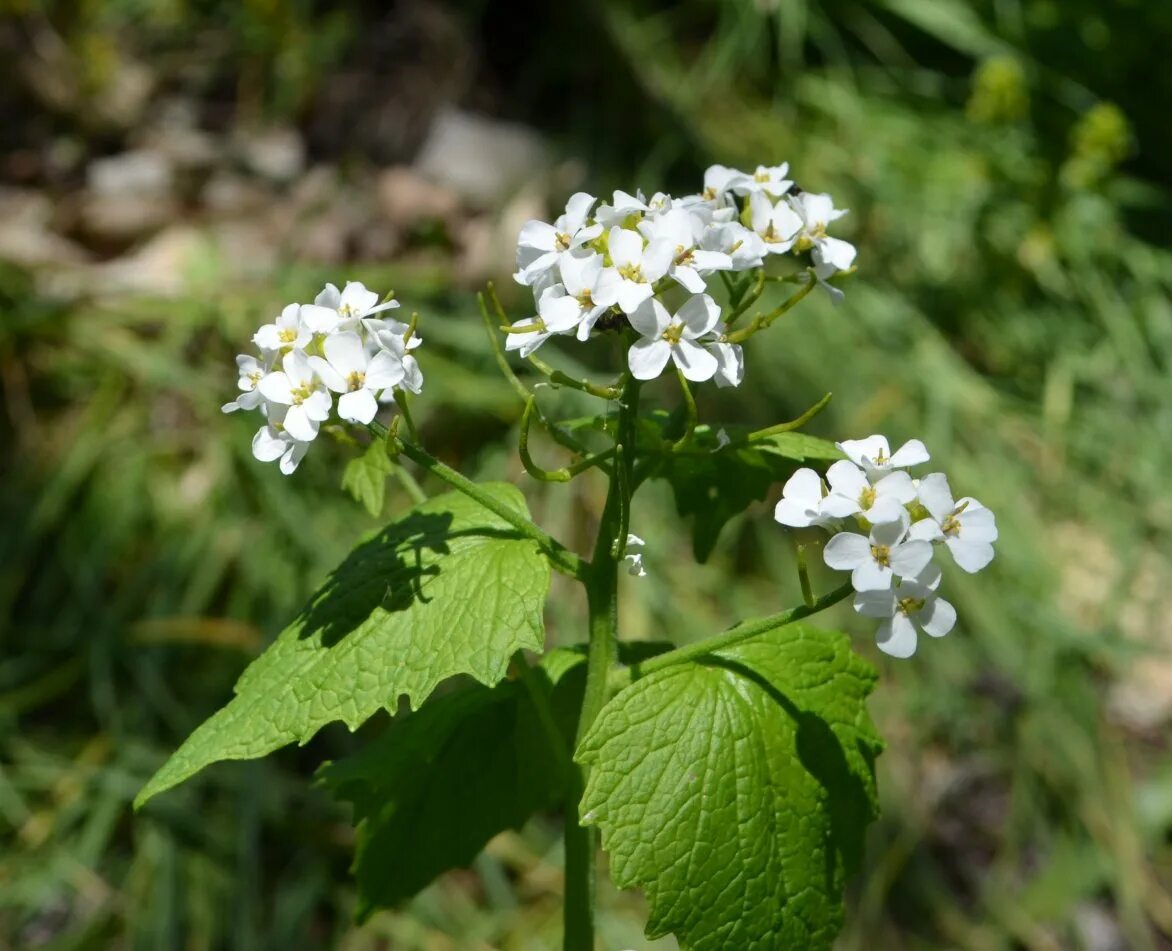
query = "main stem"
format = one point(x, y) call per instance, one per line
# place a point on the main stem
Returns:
point(602, 603)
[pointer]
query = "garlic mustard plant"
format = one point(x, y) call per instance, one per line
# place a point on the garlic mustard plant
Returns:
point(731, 777)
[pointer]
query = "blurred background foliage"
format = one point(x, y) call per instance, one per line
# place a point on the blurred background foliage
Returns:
point(172, 172)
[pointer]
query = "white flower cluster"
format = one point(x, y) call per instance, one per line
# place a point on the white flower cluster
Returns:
point(614, 261)
point(336, 345)
point(906, 520)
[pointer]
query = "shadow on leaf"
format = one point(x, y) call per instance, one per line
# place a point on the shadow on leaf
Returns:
point(389, 571)
point(822, 756)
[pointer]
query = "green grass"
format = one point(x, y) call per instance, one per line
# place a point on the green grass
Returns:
point(1008, 310)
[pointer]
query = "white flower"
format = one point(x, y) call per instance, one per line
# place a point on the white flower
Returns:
point(730, 362)
point(875, 457)
point(719, 180)
point(622, 206)
point(815, 213)
point(571, 303)
point(540, 244)
point(287, 332)
point(272, 442)
point(334, 310)
point(634, 555)
point(874, 561)
point(681, 231)
point(392, 335)
point(778, 225)
point(768, 179)
point(967, 528)
point(637, 266)
point(297, 386)
point(673, 337)
point(543, 329)
point(744, 247)
point(913, 604)
point(252, 371)
point(851, 493)
point(801, 501)
point(348, 369)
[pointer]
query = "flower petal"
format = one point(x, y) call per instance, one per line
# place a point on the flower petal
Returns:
point(385, 369)
point(276, 387)
point(846, 551)
point(936, 496)
point(910, 558)
point(937, 618)
point(897, 637)
point(699, 314)
point(694, 361)
point(871, 576)
point(651, 319)
point(647, 358)
point(911, 453)
point(862, 452)
point(358, 407)
point(971, 556)
point(299, 425)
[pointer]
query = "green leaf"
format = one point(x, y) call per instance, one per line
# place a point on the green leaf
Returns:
point(447, 589)
point(736, 790)
point(431, 791)
point(365, 477)
point(714, 483)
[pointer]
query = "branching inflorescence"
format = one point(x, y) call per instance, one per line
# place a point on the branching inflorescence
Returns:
point(674, 281)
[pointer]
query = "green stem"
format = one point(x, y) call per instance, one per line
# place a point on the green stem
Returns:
point(558, 378)
point(602, 603)
point(793, 423)
point(742, 632)
point(690, 413)
point(761, 321)
point(560, 557)
point(404, 411)
point(746, 300)
point(565, 473)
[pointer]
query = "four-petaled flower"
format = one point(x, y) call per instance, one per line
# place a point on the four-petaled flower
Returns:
point(540, 244)
point(298, 387)
point(767, 178)
point(682, 232)
point(912, 604)
point(333, 310)
point(875, 457)
point(251, 371)
point(776, 223)
point(966, 528)
point(876, 560)
point(815, 212)
point(667, 337)
point(801, 501)
point(637, 265)
point(348, 369)
point(286, 333)
point(852, 493)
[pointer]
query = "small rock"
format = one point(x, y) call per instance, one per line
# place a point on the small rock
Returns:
point(277, 154)
point(161, 266)
point(407, 199)
point(131, 173)
point(128, 197)
point(26, 238)
point(227, 194)
point(481, 159)
point(490, 241)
